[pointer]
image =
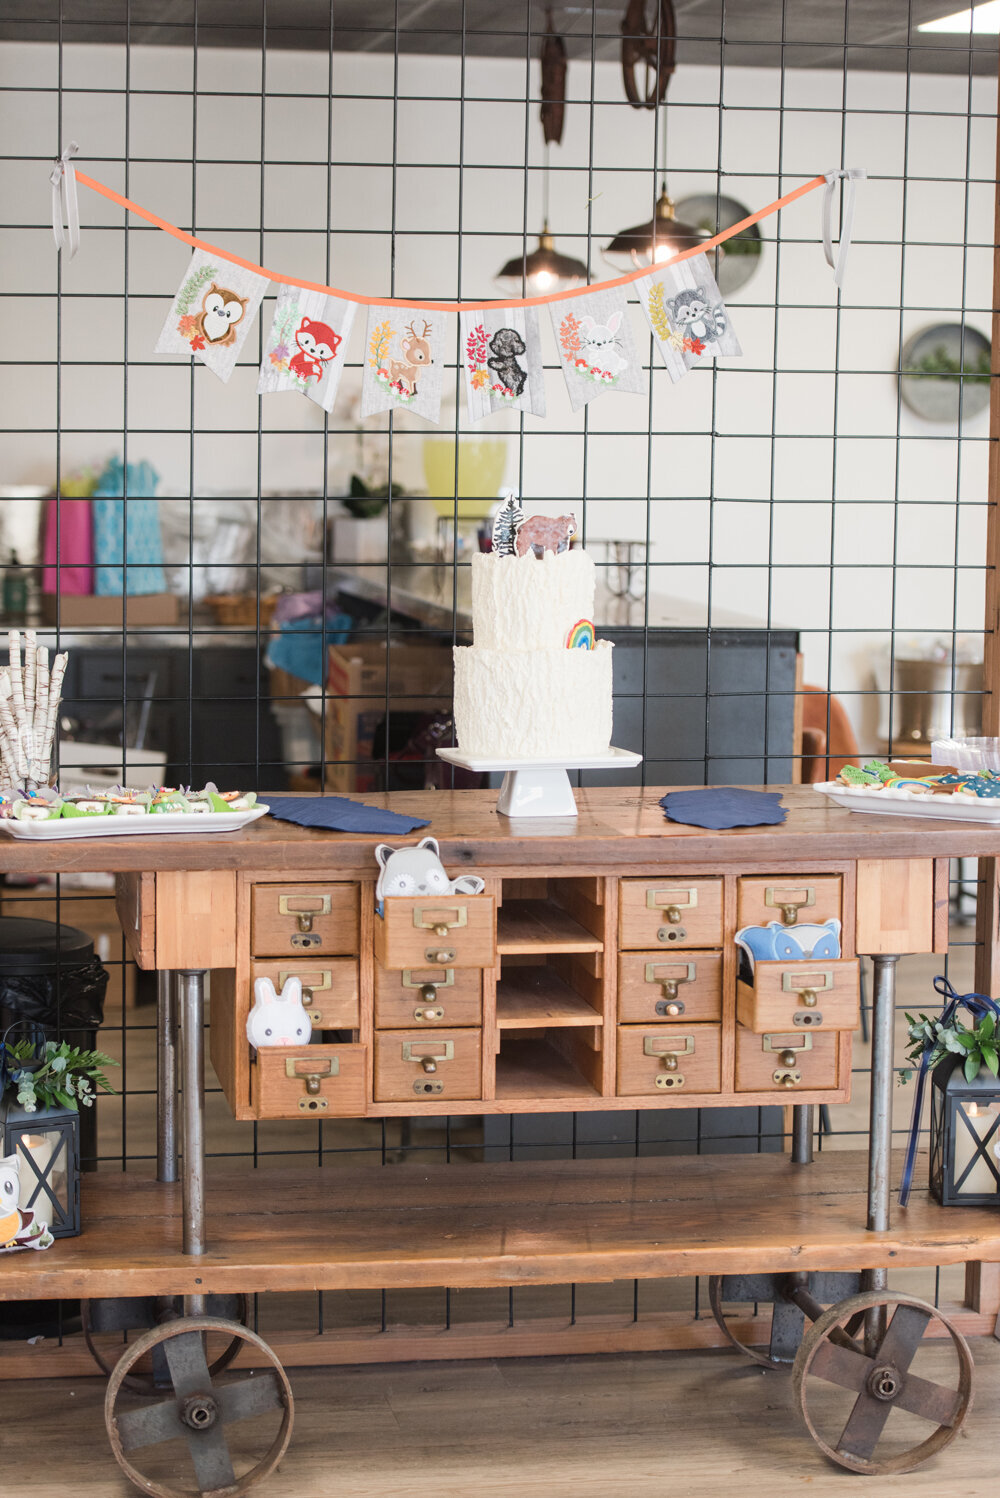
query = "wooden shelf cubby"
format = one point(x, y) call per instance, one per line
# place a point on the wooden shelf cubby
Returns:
point(538, 997)
point(529, 926)
point(533, 1068)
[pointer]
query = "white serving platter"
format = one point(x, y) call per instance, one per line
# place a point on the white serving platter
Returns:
point(169, 822)
point(540, 787)
point(910, 804)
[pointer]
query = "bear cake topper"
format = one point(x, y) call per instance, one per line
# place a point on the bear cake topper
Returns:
point(516, 535)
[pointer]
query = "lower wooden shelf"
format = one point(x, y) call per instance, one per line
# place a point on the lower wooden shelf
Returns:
point(533, 1070)
point(544, 1222)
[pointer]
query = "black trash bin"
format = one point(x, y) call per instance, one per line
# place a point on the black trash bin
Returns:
point(50, 978)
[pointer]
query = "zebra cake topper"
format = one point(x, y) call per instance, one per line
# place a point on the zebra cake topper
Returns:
point(687, 316)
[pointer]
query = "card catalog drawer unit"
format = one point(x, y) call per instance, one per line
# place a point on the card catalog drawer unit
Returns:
point(314, 1081)
point(415, 932)
point(318, 919)
point(329, 989)
point(654, 988)
point(415, 1064)
point(800, 996)
point(797, 899)
point(664, 913)
point(427, 996)
point(785, 1062)
point(655, 1061)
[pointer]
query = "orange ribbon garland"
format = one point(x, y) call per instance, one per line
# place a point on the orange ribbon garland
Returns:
point(378, 301)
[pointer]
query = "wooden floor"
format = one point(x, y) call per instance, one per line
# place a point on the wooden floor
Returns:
point(691, 1424)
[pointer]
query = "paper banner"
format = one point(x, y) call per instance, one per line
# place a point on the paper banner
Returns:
point(403, 361)
point(687, 315)
point(212, 312)
point(307, 344)
point(502, 353)
point(596, 348)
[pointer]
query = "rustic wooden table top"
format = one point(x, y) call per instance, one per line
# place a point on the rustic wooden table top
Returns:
point(284, 1227)
point(619, 828)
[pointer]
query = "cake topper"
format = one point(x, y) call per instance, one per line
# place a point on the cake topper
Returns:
point(544, 533)
point(506, 525)
point(581, 636)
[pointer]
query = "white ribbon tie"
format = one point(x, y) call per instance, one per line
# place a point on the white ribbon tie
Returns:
point(64, 201)
point(852, 175)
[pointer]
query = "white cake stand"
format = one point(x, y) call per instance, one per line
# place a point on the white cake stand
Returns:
point(540, 787)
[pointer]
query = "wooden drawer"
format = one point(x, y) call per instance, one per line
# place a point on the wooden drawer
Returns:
point(654, 988)
point(458, 931)
point(321, 919)
point(412, 1064)
point(788, 898)
point(427, 996)
point(786, 1062)
point(654, 1061)
point(670, 913)
point(313, 1081)
point(329, 989)
point(800, 996)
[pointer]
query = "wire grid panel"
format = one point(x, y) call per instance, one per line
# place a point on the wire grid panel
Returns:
point(778, 521)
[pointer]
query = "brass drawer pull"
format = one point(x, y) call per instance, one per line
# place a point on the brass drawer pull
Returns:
point(305, 1069)
point(446, 980)
point(789, 1052)
point(322, 983)
point(789, 901)
point(426, 918)
point(808, 984)
point(668, 1047)
point(305, 908)
point(426, 1051)
point(671, 985)
point(430, 1012)
point(787, 1078)
point(672, 902)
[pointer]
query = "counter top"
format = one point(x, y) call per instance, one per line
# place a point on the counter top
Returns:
point(619, 827)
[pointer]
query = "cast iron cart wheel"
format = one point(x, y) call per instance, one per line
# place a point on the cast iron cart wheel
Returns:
point(197, 1410)
point(788, 1319)
point(881, 1384)
point(140, 1313)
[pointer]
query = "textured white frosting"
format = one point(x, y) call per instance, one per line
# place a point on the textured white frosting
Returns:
point(536, 704)
point(530, 603)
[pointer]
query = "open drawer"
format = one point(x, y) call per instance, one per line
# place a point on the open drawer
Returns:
point(420, 932)
point(313, 1081)
point(801, 996)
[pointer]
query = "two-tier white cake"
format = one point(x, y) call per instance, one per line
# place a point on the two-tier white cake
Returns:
point(522, 690)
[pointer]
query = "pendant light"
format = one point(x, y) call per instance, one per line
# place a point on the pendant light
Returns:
point(658, 239)
point(544, 269)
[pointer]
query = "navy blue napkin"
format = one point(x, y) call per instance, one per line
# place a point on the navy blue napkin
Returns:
point(717, 807)
point(338, 814)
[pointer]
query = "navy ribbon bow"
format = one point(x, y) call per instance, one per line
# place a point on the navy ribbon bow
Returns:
point(979, 1006)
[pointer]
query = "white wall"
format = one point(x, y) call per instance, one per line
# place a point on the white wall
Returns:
point(810, 375)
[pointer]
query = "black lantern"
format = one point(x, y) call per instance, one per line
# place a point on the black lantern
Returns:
point(47, 1144)
point(965, 1136)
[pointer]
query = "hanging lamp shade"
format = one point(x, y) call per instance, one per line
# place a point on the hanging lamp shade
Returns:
point(662, 236)
point(544, 269)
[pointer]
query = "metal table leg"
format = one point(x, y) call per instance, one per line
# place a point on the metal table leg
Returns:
point(802, 1133)
point(880, 1129)
point(166, 1077)
point(192, 1015)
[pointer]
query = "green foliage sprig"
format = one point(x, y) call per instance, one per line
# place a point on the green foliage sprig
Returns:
point(978, 1046)
point(193, 285)
point(940, 365)
point(66, 1077)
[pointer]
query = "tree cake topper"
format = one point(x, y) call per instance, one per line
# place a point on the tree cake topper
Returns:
point(506, 524)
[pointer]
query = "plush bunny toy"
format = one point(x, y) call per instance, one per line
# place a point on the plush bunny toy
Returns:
point(419, 871)
point(278, 1018)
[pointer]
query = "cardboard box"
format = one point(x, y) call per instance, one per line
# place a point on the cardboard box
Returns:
point(80, 610)
point(418, 679)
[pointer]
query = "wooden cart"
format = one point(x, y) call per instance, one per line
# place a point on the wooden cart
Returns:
point(596, 972)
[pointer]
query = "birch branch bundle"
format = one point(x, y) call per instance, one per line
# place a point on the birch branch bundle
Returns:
point(29, 706)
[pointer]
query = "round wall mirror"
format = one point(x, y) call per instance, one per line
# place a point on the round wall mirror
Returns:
point(740, 255)
point(945, 368)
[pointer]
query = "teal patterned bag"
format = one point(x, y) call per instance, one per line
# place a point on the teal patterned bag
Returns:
point(128, 548)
